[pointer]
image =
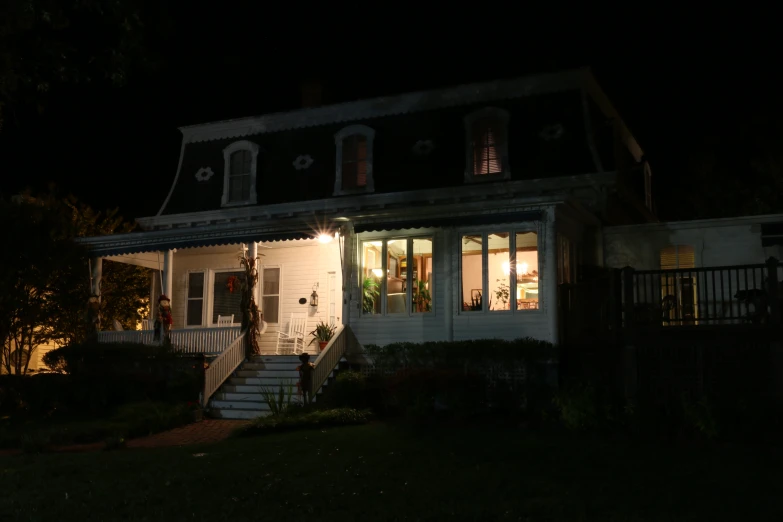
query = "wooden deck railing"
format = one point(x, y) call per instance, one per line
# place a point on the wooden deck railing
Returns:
point(223, 366)
point(700, 296)
point(191, 340)
point(343, 341)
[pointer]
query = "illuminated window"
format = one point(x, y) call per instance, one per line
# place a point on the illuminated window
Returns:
point(487, 145)
point(396, 276)
point(353, 171)
point(239, 176)
point(491, 279)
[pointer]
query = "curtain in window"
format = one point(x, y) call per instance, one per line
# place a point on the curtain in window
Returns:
point(354, 173)
point(486, 149)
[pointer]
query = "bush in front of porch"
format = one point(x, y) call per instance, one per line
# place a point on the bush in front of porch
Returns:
point(462, 379)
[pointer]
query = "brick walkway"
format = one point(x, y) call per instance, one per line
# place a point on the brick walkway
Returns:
point(204, 432)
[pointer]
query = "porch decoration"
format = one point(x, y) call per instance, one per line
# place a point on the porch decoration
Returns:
point(314, 296)
point(164, 321)
point(204, 173)
point(305, 370)
point(232, 284)
point(323, 333)
point(93, 314)
point(251, 317)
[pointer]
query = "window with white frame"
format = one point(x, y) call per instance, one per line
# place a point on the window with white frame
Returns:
point(396, 276)
point(499, 271)
point(227, 295)
point(486, 136)
point(354, 167)
point(194, 312)
point(239, 173)
point(270, 293)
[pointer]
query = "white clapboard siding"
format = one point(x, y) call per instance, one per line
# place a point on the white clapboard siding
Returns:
point(302, 264)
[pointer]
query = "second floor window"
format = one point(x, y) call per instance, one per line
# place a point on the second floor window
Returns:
point(354, 161)
point(354, 166)
point(240, 165)
point(486, 153)
point(486, 147)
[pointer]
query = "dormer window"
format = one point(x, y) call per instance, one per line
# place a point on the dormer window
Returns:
point(486, 145)
point(239, 175)
point(353, 172)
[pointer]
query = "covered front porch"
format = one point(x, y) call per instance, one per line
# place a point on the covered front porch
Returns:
point(299, 285)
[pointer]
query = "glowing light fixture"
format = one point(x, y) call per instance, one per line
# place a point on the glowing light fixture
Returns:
point(325, 238)
point(521, 268)
point(377, 272)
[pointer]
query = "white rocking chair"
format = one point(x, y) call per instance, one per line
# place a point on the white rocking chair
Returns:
point(225, 320)
point(292, 340)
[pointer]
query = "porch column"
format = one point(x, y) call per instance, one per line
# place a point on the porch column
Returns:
point(550, 275)
point(168, 272)
point(96, 265)
point(252, 250)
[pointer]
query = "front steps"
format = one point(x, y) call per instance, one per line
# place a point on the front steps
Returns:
point(240, 396)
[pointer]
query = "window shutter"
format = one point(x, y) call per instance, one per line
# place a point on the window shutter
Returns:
point(354, 171)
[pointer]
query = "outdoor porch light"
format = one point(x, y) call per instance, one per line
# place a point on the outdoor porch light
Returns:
point(314, 296)
point(325, 238)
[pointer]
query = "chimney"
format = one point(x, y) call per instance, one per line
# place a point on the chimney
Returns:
point(312, 92)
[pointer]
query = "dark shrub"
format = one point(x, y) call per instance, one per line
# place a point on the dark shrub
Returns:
point(312, 419)
point(419, 392)
point(349, 390)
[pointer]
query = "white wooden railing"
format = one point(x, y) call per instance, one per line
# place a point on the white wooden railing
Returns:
point(343, 341)
point(223, 366)
point(191, 340)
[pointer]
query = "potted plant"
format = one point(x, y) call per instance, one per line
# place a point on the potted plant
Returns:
point(197, 414)
point(323, 334)
point(369, 293)
point(422, 300)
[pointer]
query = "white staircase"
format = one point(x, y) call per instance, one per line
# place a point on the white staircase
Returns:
point(240, 396)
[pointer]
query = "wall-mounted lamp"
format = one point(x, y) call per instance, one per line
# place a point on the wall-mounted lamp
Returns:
point(314, 296)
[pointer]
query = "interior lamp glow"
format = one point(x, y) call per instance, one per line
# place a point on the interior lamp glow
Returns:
point(521, 268)
point(377, 272)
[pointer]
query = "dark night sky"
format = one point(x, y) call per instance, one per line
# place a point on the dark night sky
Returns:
point(119, 147)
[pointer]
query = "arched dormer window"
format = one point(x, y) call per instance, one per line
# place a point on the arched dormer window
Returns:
point(239, 173)
point(486, 140)
point(353, 172)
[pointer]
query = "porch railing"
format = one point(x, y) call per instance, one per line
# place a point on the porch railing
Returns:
point(742, 294)
point(223, 366)
point(343, 341)
point(191, 340)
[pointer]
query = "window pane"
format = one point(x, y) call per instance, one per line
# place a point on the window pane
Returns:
point(195, 312)
point(361, 173)
point(422, 275)
point(486, 153)
point(527, 270)
point(244, 193)
point(350, 174)
point(270, 304)
point(240, 162)
point(361, 148)
point(235, 188)
point(396, 291)
point(499, 268)
point(271, 281)
point(472, 292)
point(196, 284)
point(349, 148)
point(227, 295)
point(372, 274)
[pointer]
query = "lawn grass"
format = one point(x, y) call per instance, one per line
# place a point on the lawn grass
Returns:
point(380, 472)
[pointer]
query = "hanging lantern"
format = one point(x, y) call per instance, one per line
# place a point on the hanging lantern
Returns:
point(314, 296)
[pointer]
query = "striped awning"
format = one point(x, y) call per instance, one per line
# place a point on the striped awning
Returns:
point(158, 240)
point(450, 221)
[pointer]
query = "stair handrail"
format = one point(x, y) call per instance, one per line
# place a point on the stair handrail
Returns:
point(223, 366)
point(343, 341)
